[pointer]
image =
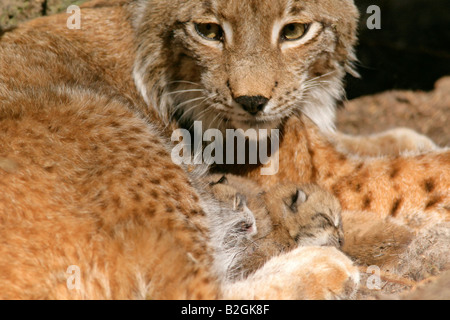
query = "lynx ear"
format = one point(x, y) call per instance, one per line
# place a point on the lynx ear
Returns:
point(297, 199)
point(240, 201)
point(301, 197)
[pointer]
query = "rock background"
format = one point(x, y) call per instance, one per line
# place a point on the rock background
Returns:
point(411, 51)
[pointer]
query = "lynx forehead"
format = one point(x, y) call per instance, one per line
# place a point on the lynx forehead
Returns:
point(244, 64)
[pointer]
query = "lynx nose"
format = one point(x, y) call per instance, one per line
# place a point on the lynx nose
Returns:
point(252, 104)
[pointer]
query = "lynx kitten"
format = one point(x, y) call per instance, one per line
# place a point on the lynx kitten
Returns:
point(267, 223)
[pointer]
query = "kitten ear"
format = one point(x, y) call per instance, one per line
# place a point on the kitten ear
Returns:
point(240, 201)
point(297, 199)
point(301, 197)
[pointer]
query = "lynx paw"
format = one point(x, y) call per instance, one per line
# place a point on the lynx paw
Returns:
point(308, 273)
point(410, 140)
point(388, 143)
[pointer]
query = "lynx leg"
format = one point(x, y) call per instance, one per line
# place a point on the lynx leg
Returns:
point(392, 142)
point(307, 273)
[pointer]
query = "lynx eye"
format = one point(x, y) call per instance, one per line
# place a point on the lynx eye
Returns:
point(209, 31)
point(294, 31)
point(324, 218)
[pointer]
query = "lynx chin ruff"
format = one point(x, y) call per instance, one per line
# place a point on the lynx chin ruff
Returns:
point(86, 176)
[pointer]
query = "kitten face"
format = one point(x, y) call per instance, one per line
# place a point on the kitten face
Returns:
point(311, 215)
point(247, 64)
point(257, 225)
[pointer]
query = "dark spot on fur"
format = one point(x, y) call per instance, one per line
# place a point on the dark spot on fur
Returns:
point(150, 212)
point(314, 170)
point(367, 201)
point(433, 202)
point(136, 130)
point(342, 157)
point(395, 170)
point(161, 153)
point(168, 176)
point(429, 185)
point(396, 206)
point(195, 212)
point(49, 169)
point(359, 167)
point(117, 202)
point(336, 190)
point(131, 149)
point(155, 181)
point(154, 194)
point(170, 209)
point(137, 197)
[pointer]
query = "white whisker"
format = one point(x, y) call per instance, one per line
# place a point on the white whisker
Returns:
point(189, 101)
point(184, 91)
point(184, 81)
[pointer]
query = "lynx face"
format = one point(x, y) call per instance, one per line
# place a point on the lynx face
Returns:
point(244, 64)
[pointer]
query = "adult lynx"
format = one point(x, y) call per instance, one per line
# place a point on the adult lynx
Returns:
point(86, 176)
